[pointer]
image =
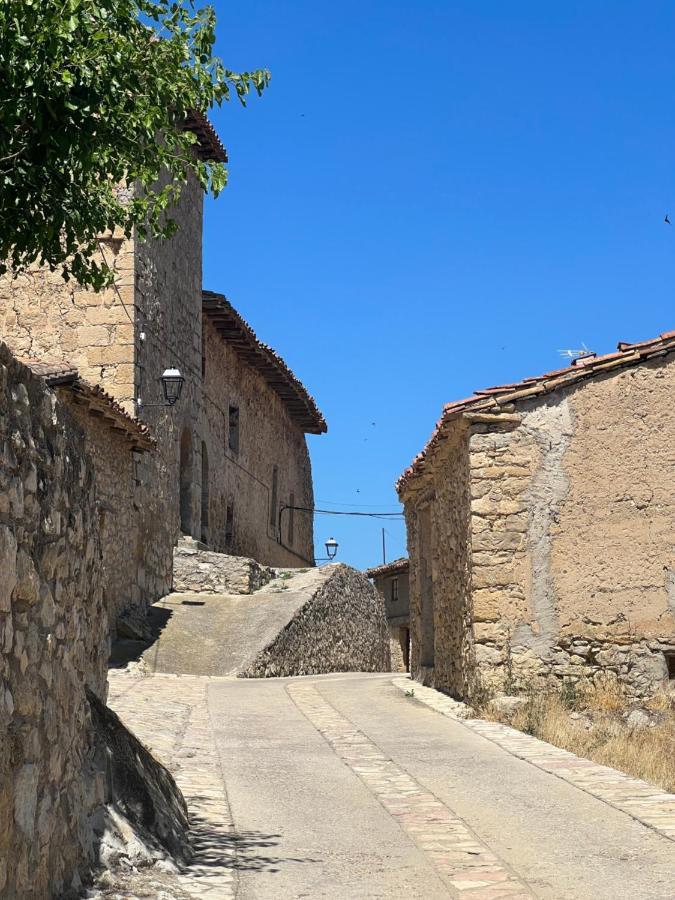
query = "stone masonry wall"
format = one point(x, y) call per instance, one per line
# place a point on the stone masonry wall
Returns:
point(342, 628)
point(267, 437)
point(573, 537)
point(447, 501)
point(53, 639)
point(168, 299)
point(45, 318)
point(122, 544)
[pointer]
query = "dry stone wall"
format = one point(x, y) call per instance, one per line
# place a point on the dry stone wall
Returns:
point(341, 628)
point(201, 571)
point(53, 639)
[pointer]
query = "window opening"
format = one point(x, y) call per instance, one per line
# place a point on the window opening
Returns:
point(291, 519)
point(274, 498)
point(233, 438)
point(394, 590)
point(229, 525)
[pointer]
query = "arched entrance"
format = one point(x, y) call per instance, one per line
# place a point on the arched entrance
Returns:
point(186, 481)
point(205, 494)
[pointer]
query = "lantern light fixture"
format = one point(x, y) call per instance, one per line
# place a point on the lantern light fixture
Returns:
point(172, 385)
point(331, 548)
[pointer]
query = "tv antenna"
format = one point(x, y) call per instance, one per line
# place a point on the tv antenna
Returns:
point(576, 354)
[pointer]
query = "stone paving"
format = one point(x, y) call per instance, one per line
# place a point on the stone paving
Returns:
point(465, 864)
point(642, 801)
point(169, 714)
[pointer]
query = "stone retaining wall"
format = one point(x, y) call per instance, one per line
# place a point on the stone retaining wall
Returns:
point(53, 640)
point(341, 628)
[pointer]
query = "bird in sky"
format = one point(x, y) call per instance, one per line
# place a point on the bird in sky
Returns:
point(667, 220)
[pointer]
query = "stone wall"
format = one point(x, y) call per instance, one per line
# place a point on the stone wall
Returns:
point(43, 317)
point(53, 639)
point(268, 437)
point(122, 545)
point(168, 299)
point(341, 628)
point(440, 587)
point(572, 538)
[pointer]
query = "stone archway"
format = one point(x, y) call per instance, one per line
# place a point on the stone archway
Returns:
point(186, 481)
point(205, 494)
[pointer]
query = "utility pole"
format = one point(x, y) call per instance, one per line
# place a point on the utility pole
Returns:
point(384, 549)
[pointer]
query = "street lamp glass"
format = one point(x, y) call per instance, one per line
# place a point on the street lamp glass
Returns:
point(331, 548)
point(172, 384)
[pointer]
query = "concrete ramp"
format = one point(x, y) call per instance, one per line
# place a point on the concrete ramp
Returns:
point(303, 622)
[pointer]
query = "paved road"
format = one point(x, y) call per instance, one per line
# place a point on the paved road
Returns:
point(342, 787)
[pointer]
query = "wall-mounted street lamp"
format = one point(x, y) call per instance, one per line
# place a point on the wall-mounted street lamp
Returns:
point(172, 386)
point(331, 548)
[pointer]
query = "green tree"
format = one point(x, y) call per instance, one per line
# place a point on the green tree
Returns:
point(95, 94)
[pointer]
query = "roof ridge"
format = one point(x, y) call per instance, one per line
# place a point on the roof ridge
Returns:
point(587, 367)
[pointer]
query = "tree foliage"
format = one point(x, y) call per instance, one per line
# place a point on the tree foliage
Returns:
point(93, 95)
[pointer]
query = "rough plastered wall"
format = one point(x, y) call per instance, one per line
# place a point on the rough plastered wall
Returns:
point(168, 301)
point(53, 639)
point(439, 553)
point(573, 535)
point(268, 437)
point(122, 544)
point(45, 318)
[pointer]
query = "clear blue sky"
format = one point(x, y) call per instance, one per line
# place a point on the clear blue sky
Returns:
point(433, 198)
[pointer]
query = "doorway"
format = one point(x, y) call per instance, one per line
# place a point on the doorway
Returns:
point(205, 494)
point(186, 481)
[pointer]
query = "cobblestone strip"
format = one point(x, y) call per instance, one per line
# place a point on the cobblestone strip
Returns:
point(169, 714)
point(462, 860)
point(642, 801)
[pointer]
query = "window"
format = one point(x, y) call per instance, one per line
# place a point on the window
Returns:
point(233, 438)
point(291, 519)
point(274, 499)
point(394, 590)
point(229, 525)
point(670, 664)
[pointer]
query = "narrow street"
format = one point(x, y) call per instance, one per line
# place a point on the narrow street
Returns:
point(343, 786)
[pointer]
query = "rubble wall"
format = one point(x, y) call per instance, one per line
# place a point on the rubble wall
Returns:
point(340, 628)
point(53, 639)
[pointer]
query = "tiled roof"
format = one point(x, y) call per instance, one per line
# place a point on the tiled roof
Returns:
point(99, 403)
point(396, 567)
point(239, 334)
point(209, 146)
point(494, 399)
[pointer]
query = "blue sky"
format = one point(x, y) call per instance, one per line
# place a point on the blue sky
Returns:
point(433, 198)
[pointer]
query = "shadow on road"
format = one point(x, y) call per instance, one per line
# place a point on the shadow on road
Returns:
point(243, 851)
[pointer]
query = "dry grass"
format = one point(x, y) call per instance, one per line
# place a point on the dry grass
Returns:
point(592, 723)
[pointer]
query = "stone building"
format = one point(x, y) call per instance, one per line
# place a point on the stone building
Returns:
point(391, 580)
point(541, 529)
point(230, 459)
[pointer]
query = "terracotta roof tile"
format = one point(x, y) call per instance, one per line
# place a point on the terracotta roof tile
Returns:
point(95, 398)
point(239, 334)
point(395, 567)
point(492, 399)
point(209, 146)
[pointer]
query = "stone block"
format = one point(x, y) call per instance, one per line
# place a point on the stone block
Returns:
point(8, 550)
